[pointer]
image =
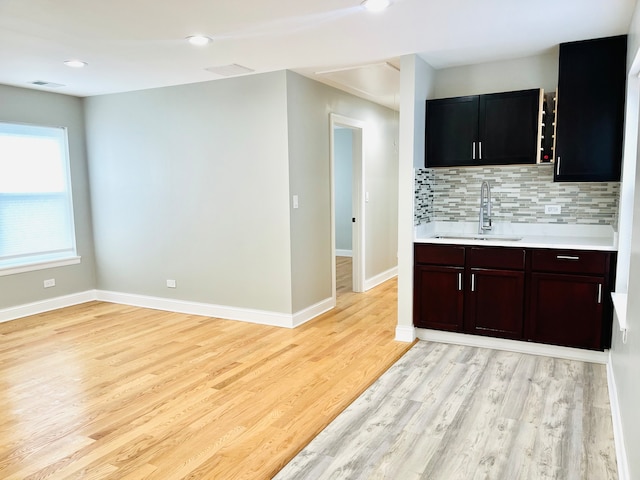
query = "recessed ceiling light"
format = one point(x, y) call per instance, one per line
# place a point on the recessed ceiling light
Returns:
point(75, 63)
point(199, 40)
point(376, 5)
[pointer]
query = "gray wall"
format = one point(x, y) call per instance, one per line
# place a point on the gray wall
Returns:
point(540, 71)
point(42, 108)
point(309, 105)
point(191, 183)
point(625, 358)
point(343, 157)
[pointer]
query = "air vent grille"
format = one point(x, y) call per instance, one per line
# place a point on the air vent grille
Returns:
point(230, 70)
point(42, 83)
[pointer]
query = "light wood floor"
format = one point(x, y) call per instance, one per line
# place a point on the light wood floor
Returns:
point(105, 391)
point(448, 412)
point(344, 278)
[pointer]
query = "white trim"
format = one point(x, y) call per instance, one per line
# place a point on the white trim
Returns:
point(405, 333)
point(616, 417)
point(518, 346)
point(358, 204)
point(344, 253)
point(31, 267)
point(35, 308)
point(380, 278)
point(261, 317)
point(309, 313)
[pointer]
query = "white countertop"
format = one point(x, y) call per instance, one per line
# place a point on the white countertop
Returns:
point(572, 237)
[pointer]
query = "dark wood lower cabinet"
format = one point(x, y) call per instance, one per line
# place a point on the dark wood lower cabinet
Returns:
point(566, 310)
point(495, 303)
point(438, 297)
point(559, 297)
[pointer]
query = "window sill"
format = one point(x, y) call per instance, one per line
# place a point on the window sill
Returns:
point(61, 262)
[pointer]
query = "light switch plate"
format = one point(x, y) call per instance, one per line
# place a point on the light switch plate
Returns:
point(552, 209)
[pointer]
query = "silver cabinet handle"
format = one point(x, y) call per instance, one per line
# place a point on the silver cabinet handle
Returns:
point(473, 151)
point(460, 282)
point(558, 166)
point(473, 282)
point(567, 257)
point(480, 150)
point(599, 293)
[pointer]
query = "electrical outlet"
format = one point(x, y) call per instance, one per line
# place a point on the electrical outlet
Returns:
point(552, 209)
point(171, 284)
point(50, 283)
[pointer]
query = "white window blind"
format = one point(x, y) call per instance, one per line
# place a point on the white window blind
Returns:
point(36, 212)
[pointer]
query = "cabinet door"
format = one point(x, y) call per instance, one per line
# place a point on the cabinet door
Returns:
point(508, 124)
point(438, 297)
point(451, 132)
point(590, 110)
point(566, 310)
point(495, 303)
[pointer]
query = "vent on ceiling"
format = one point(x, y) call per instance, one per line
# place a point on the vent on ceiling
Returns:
point(42, 83)
point(230, 70)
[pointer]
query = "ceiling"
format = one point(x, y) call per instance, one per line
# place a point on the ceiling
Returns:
point(140, 44)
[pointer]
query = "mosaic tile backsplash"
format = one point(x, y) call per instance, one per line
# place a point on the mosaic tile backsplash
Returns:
point(519, 194)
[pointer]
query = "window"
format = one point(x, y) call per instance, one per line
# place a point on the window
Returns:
point(36, 212)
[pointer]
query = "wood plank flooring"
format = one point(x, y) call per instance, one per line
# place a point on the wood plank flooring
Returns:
point(105, 391)
point(344, 275)
point(448, 412)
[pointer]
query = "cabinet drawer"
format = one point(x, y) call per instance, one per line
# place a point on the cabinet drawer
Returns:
point(569, 261)
point(439, 254)
point(496, 257)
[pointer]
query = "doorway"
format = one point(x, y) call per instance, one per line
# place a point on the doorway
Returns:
point(347, 204)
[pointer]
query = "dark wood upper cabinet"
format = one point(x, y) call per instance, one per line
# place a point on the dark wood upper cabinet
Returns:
point(452, 131)
point(590, 110)
point(508, 125)
point(491, 129)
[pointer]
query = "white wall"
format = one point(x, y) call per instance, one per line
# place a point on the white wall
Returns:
point(539, 71)
point(343, 157)
point(625, 357)
point(23, 105)
point(309, 106)
point(191, 183)
point(417, 80)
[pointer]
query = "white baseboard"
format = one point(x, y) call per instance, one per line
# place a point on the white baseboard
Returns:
point(618, 436)
point(344, 253)
point(261, 317)
point(42, 306)
point(513, 346)
point(380, 278)
point(309, 313)
point(405, 333)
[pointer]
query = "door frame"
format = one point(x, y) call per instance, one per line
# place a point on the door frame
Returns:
point(358, 196)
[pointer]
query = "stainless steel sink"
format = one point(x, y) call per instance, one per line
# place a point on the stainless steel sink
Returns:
point(495, 238)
